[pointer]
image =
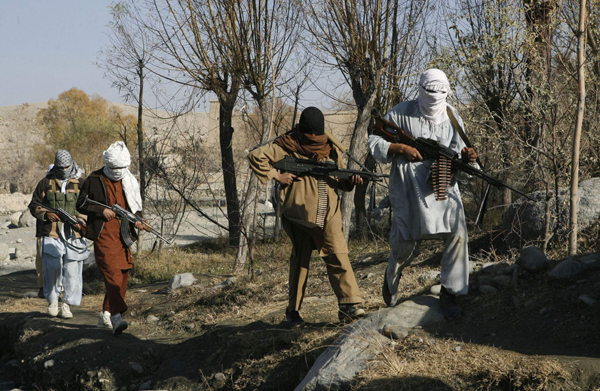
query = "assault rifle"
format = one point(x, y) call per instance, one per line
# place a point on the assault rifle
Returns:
point(64, 216)
point(431, 149)
point(316, 169)
point(126, 218)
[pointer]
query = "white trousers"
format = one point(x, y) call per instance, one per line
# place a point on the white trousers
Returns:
point(61, 271)
point(455, 260)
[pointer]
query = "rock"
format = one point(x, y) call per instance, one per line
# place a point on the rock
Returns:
point(525, 220)
point(487, 289)
point(146, 386)
point(30, 295)
point(14, 219)
point(151, 319)
point(591, 261)
point(394, 332)
point(189, 326)
point(567, 269)
point(511, 269)
point(12, 252)
point(431, 275)
point(48, 364)
point(227, 282)
point(588, 300)
point(4, 251)
point(136, 367)
point(361, 342)
point(533, 259)
point(472, 266)
point(181, 281)
point(488, 268)
point(12, 203)
point(219, 380)
point(436, 289)
point(26, 219)
point(501, 281)
point(369, 276)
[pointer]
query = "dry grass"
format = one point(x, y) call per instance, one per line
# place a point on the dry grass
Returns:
point(421, 362)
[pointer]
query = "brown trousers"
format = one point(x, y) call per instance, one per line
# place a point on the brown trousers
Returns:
point(115, 282)
point(339, 271)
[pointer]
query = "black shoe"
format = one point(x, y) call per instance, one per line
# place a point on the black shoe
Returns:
point(390, 300)
point(450, 307)
point(294, 319)
point(41, 293)
point(349, 312)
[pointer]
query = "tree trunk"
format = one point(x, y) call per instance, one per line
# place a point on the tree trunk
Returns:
point(357, 147)
point(140, 133)
point(228, 167)
point(577, 136)
point(246, 242)
point(361, 218)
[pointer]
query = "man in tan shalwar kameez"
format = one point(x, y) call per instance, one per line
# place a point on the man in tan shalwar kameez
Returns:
point(311, 213)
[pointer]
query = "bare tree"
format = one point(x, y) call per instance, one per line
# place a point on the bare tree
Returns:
point(124, 60)
point(581, 35)
point(364, 39)
point(197, 47)
point(267, 36)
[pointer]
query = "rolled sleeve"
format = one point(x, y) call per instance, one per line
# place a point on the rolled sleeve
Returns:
point(379, 148)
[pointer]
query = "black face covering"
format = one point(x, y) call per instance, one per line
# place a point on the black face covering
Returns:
point(61, 173)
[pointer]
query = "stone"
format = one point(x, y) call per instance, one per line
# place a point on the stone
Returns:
point(48, 364)
point(501, 281)
point(591, 261)
point(362, 340)
point(567, 270)
point(26, 219)
point(436, 289)
point(588, 300)
point(136, 367)
point(227, 282)
point(524, 221)
point(4, 251)
point(30, 295)
point(146, 386)
point(487, 289)
point(533, 259)
point(431, 275)
point(181, 281)
point(14, 219)
point(394, 332)
point(151, 319)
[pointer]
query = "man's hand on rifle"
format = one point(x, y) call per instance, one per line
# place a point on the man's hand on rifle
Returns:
point(469, 155)
point(139, 224)
point(286, 178)
point(53, 217)
point(81, 226)
point(356, 180)
point(108, 214)
point(411, 153)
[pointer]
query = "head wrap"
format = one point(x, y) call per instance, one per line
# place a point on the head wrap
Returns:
point(116, 160)
point(434, 88)
point(312, 121)
point(64, 167)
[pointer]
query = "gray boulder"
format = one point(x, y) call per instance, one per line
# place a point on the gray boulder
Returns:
point(567, 270)
point(26, 219)
point(181, 281)
point(591, 261)
point(533, 259)
point(14, 218)
point(362, 341)
point(525, 220)
point(4, 252)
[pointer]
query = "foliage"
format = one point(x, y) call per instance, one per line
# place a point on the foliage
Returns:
point(83, 126)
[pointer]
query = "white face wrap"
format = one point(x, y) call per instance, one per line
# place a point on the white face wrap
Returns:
point(433, 91)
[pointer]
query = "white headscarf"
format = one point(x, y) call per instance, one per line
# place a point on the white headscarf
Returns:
point(434, 88)
point(116, 160)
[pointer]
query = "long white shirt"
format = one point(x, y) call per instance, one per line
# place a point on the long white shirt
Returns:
point(415, 209)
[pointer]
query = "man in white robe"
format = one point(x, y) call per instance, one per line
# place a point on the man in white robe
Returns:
point(417, 214)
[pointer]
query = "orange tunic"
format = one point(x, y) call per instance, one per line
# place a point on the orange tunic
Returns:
point(109, 248)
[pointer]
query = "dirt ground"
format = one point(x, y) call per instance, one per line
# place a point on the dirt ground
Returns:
point(533, 336)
